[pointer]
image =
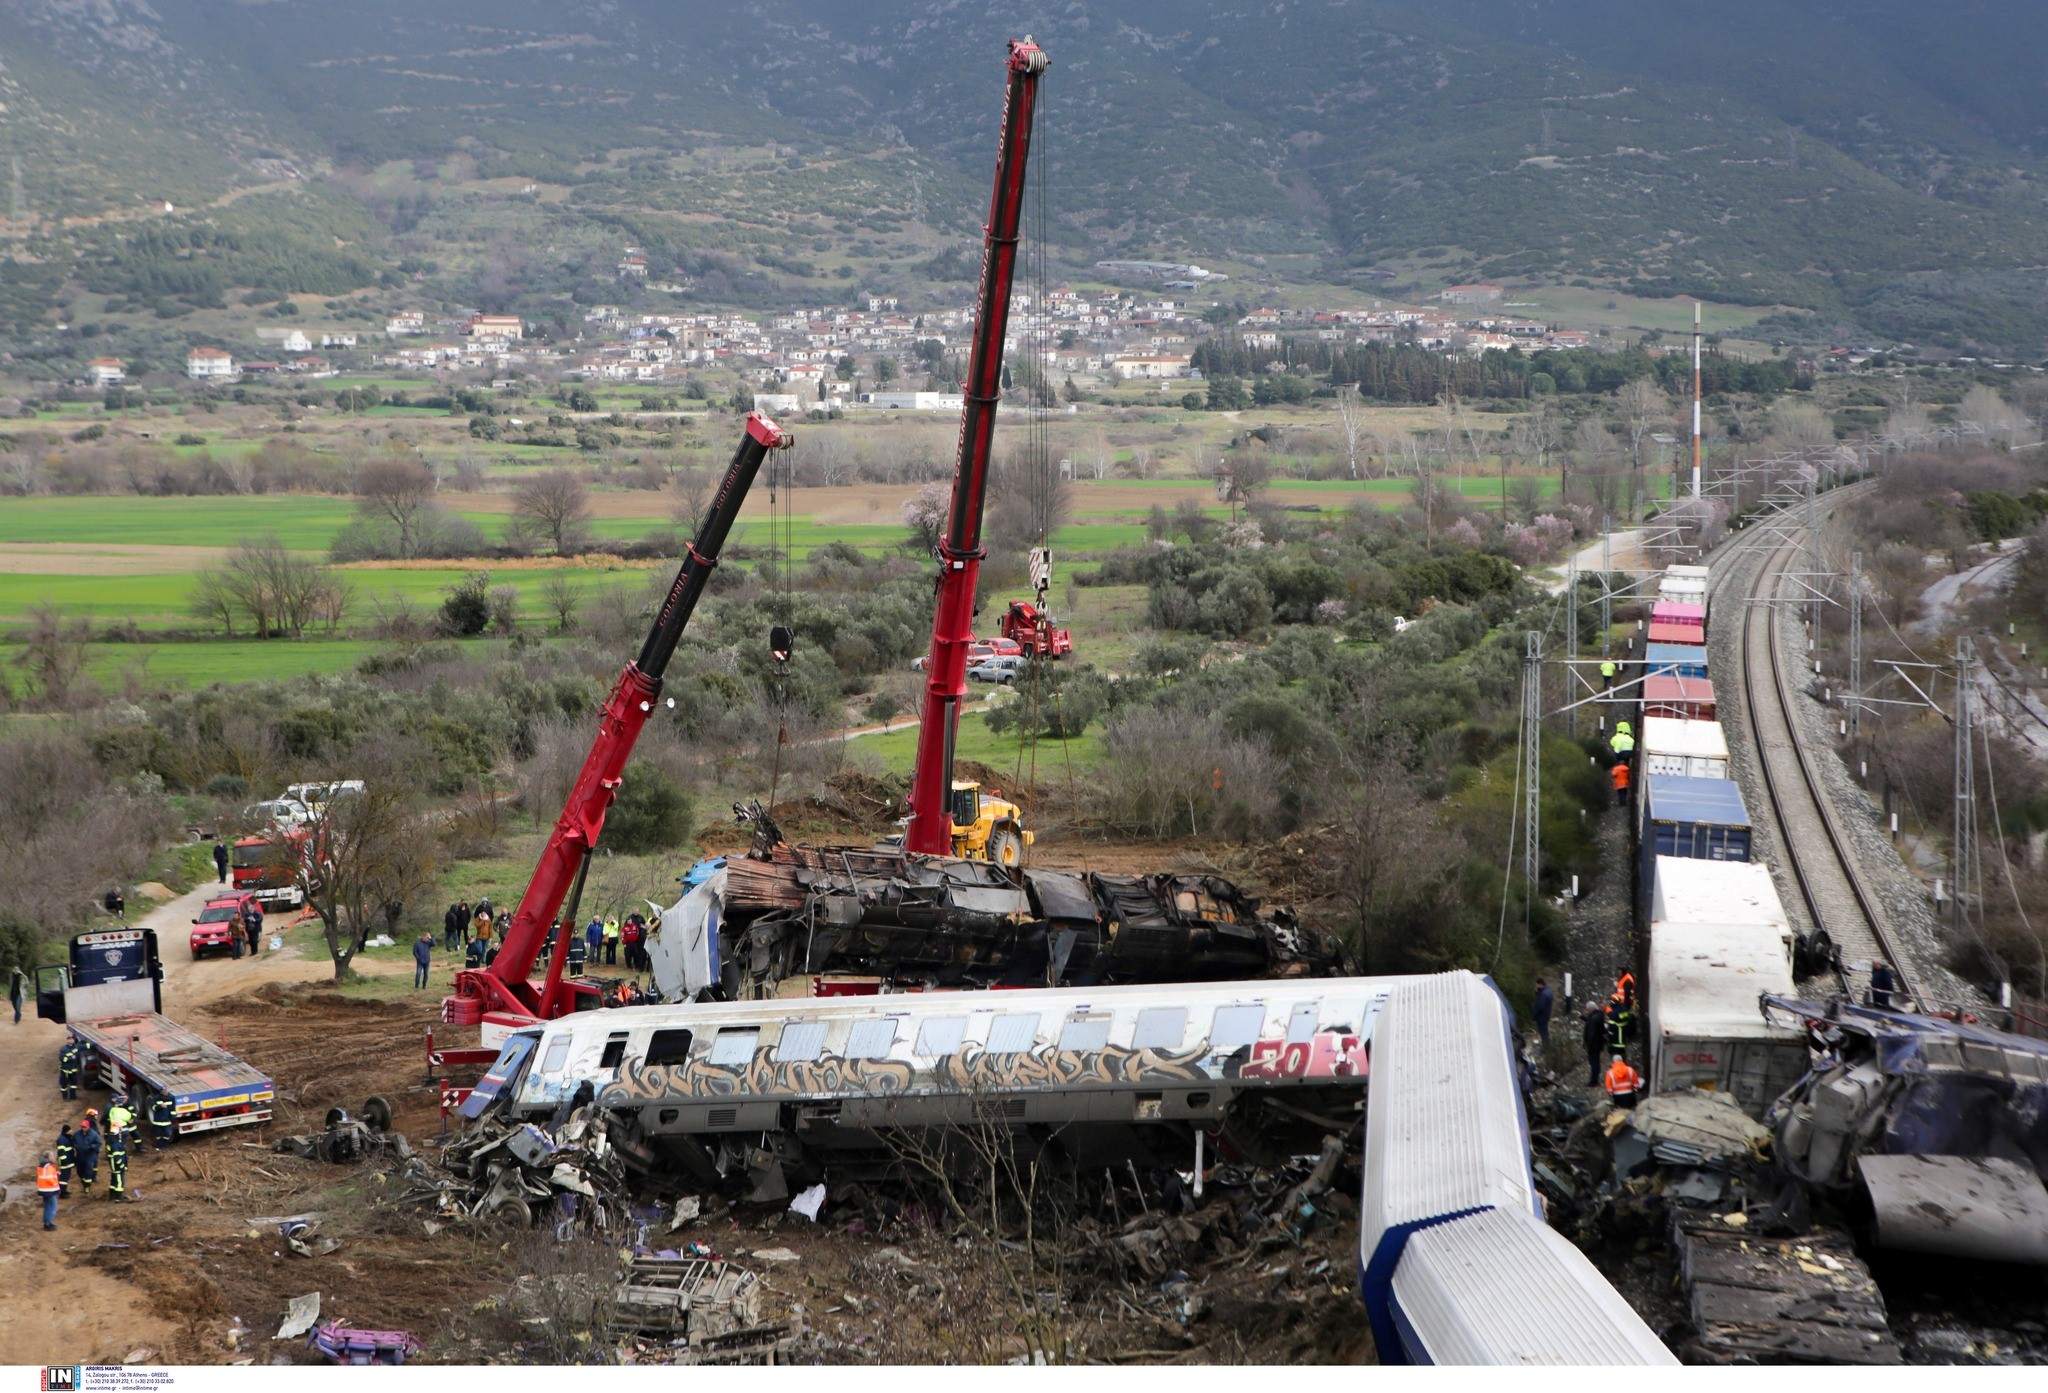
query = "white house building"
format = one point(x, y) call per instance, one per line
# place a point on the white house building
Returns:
point(204, 363)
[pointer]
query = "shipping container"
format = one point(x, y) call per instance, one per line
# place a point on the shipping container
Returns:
point(1684, 584)
point(1685, 615)
point(1679, 698)
point(1680, 635)
point(1706, 1026)
point(1689, 749)
point(1699, 818)
point(1675, 660)
point(1692, 891)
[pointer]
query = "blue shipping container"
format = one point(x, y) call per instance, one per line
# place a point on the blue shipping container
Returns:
point(1703, 819)
point(1674, 660)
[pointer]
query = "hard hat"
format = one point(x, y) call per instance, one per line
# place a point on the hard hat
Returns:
point(92, 1112)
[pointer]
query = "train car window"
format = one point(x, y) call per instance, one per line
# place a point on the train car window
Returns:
point(614, 1053)
point(1085, 1035)
point(557, 1055)
point(1301, 1026)
point(668, 1047)
point(870, 1039)
point(1013, 1034)
point(1161, 1028)
point(1236, 1026)
point(941, 1036)
point(735, 1046)
point(802, 1041)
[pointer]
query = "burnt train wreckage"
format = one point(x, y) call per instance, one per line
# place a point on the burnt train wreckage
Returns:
point(783, 911)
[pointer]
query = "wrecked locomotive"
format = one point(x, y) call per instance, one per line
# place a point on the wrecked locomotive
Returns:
point(748, 924)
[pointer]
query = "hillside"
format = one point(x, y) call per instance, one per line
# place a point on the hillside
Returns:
point(1877, 163)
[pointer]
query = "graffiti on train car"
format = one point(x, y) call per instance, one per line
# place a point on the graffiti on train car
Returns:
point(1329, 1055)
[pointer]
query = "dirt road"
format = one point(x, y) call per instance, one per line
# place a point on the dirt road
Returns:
point(53, 1307)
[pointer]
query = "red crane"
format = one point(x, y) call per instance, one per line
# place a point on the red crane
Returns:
point(960, 551)
point(502, 991)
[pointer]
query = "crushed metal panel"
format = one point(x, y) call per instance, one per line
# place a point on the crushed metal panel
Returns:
point(1781, 1301)
point(693, 1298)
point(1961, 1206)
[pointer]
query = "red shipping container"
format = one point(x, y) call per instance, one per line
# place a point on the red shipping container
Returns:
point(1681, 698)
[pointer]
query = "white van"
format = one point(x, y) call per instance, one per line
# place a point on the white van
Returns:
point(318, 795)
point(278, 812)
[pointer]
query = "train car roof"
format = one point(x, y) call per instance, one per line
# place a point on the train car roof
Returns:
point(1667, 735)
point(1691, 890)
point(1677, 798)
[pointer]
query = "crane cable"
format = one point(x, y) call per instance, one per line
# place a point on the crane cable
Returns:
point(780, 553)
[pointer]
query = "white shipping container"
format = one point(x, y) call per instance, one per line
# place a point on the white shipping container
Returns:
point(1684, 584)
point(1690, 749)
point(1706, 1027)
point(1694, 891)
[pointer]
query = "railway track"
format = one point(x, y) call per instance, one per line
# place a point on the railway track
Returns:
point(1837, 896)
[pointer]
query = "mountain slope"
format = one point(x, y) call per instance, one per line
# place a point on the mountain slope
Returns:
point(1868, 159)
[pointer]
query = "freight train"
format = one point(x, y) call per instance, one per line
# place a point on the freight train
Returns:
point(1717, 937)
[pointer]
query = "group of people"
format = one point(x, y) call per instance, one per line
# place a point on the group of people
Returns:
point(1606, 1031)
point(79, 1151)
point(1622, 746)
point(480, 931)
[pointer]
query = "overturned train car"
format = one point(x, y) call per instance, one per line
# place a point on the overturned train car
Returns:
point(785, 912)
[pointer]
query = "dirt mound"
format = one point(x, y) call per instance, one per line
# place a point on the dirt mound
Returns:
point(304, 1000)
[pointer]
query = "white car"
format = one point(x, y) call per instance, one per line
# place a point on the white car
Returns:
point(278, 812)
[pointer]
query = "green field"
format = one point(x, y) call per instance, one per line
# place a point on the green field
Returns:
point(898, 750)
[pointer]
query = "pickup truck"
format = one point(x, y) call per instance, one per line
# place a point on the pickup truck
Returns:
point(215, 930)
point(1002, 669)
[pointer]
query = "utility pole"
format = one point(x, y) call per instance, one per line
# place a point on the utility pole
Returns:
point(1606, 581)
point(1856, 645)
point(1577, 610)
point(1813, 571)
point(1964, 838)
point(1532, 761)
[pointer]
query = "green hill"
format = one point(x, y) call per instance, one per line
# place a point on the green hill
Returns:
point(1876, 162)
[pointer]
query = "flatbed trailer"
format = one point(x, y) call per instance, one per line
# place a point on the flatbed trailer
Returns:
point(148, 1054)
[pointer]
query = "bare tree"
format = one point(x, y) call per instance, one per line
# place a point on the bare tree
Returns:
point(53, 653)
point(555, 504)
point(1100, 455)
point(559, 593)
point(1642, 407)
point(399, 489)
point(214, 599)
point(689, 496)
point(924, 513)
point(1351, 417)
point(362, 858)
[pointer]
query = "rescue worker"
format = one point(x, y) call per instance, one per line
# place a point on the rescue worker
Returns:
point(17, 992)
point(220, 860)
point(1546, 999)
point(68, 1060)
point(120, 1117)
point(578, 954)
point(1624, 1084)
point(47, 1183)
point(1608, 669)
point(88, 1151)
point(611, 940)
point(67, 1159)
point(161, 1116)
point(117, 1161)
point(634, 935)
point(1882, 984)
point(1620, 776)
point(1593, 1035)
point(1617, 1024)
point(1623, 742)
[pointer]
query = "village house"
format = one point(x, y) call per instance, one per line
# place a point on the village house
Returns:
point(295, 341)
point(633, 267)
point(105, 372)
point(332, 339)
point(202, 364)
point(501, 328)
point(1161, 365)
point(1471, 295)
point(406, 322)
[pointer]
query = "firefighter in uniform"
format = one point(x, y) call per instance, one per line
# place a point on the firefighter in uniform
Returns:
point(67, 1159)
point(68, 1060)
point(117, 1160)
point(120, 1117)
point(160, 1121)
point(89, 1140)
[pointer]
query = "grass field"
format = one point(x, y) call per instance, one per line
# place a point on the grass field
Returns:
point(898, 750)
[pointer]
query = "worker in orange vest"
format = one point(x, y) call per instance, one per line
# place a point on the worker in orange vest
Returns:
point(46, 1186)
point(1621, 783)
point(1624, 1084)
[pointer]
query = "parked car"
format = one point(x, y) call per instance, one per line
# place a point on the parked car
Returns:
point(1004, 647)
point(277, 812)
point(977, 651)
point(1001, 669)
point(217, 926)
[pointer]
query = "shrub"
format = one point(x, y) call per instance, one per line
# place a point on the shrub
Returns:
point(467, 609)
point(653, 813)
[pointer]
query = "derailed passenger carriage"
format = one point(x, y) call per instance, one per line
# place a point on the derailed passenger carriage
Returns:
point(1106, 1073)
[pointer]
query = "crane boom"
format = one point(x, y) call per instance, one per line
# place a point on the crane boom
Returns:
point(960, 551)
point(503, 987)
